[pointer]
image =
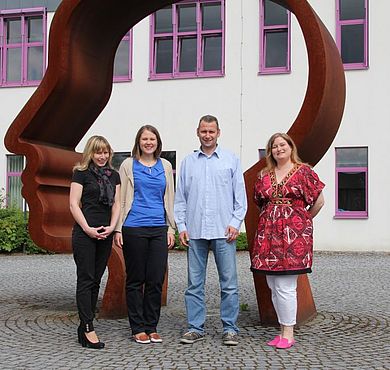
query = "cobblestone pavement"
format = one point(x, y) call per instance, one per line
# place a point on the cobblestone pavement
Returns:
point(38, 320)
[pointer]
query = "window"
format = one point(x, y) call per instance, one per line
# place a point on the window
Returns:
point(351, 182)
point(352, 32)
point(274, 38)
point(262, 153)
point(15, 166)
point(123, 58)
point(50, 5)
point(187, 40)
point(22, 47)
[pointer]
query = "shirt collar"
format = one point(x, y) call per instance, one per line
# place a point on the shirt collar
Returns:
point(216, 152)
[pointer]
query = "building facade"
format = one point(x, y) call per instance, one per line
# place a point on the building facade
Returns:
point(245, 62)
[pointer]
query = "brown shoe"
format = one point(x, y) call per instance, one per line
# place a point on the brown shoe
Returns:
point(142, 338)
point(155, 338)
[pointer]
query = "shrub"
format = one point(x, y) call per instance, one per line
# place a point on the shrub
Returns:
point(14, 236)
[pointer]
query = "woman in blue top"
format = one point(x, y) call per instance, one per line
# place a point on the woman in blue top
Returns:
point(145, 231)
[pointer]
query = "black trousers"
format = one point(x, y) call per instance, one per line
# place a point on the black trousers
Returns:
point(145, 250)
point(91, 257)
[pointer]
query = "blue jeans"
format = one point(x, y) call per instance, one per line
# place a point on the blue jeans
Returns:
point(225, 259)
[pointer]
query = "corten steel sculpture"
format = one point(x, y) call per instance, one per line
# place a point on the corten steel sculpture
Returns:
point(77, 86)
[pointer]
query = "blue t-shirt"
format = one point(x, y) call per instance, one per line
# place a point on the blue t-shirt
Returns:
point(147, 208)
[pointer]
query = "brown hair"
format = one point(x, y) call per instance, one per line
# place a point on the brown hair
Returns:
point(209, 118)
point(137, 152)
point(271, 163)
point(95, 144)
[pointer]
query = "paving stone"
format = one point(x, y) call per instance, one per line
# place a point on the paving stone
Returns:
point(38, 320)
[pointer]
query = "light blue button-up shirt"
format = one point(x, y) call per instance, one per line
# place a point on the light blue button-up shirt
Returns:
point(210, 194)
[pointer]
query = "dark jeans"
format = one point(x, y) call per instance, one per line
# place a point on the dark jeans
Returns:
point(91, 256)
point(145, 250)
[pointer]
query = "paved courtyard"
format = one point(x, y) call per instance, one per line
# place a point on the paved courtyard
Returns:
point(38, 320)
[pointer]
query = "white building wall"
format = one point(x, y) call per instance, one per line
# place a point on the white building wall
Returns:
point(251, 108)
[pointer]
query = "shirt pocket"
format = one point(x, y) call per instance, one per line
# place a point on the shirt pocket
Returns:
point(223, 177)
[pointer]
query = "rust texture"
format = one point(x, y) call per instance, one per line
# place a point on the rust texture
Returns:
point(76, 88)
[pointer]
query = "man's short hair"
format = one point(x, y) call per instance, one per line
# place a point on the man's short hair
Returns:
point(209, 118)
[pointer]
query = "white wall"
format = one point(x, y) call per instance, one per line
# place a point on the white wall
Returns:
point(252, 107)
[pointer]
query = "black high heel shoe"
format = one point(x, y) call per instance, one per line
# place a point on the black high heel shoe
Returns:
point(84, 341)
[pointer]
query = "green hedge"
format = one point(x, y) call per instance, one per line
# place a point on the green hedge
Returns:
point(14, 236)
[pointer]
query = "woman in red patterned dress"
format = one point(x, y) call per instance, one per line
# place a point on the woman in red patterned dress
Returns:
point(289, 194)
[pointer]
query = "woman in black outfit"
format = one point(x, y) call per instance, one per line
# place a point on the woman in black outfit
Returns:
point(94, 204)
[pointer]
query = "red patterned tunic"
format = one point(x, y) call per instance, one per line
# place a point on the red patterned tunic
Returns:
point(284, 239)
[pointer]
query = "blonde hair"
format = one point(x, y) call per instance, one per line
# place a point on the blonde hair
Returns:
point(95, 144)
point(270, 160)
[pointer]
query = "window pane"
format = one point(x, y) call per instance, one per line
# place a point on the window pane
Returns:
point(352, 191)
point(52, 5)
point(352, 9)
point(351, 157)
point(352, 43)
point(35, 30)
point(211, 16)
point(14, 196)
point(212, 58)
point(122, 59)
point(14, 65)
point(14, 35)
point(34, 63)
point(164, 56)
point(163, 20)
point(276, 44)
point(187, 61)
point(187, 18)
point(15, 163)
point(274, 14)
point(118, 158)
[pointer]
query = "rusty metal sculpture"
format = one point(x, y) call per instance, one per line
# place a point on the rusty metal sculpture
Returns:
point(77, 86)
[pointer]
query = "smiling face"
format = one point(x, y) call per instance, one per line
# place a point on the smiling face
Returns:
point(208, 134)
point(281, 150)
point(148, 142)
point(100, 158)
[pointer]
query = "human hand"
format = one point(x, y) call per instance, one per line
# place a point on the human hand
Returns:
point(105, 231)
point(118, 239)
point(171, 240)
point(95, 232)
point(184, 238)
point(231, 233)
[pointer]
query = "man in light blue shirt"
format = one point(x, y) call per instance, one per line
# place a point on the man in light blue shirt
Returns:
point(210, 205)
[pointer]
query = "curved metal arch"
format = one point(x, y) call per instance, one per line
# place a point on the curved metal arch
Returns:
point(77, 86)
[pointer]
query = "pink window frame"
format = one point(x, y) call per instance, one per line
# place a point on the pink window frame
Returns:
point(176, 36)
point(339, 169)
point(24, 45)
point(340, 23)
point(267, 29)
point(8, 175)
point(128, 37)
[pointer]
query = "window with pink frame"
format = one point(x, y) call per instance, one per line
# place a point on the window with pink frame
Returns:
point(275, 38)
point(15, 166)
point(351, 182)
point(123, 59)
point(22, 46)
point(187, 40)
point(352, 32)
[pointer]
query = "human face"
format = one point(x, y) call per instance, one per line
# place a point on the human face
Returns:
point(101, 157)
point(208, 133)
point(148, 142)
point(281, 150)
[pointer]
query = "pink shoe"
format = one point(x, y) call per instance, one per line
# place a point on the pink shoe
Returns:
point(284, 343)
point(274, 341)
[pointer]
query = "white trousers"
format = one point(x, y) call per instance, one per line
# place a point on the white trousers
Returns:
point(284, 297)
